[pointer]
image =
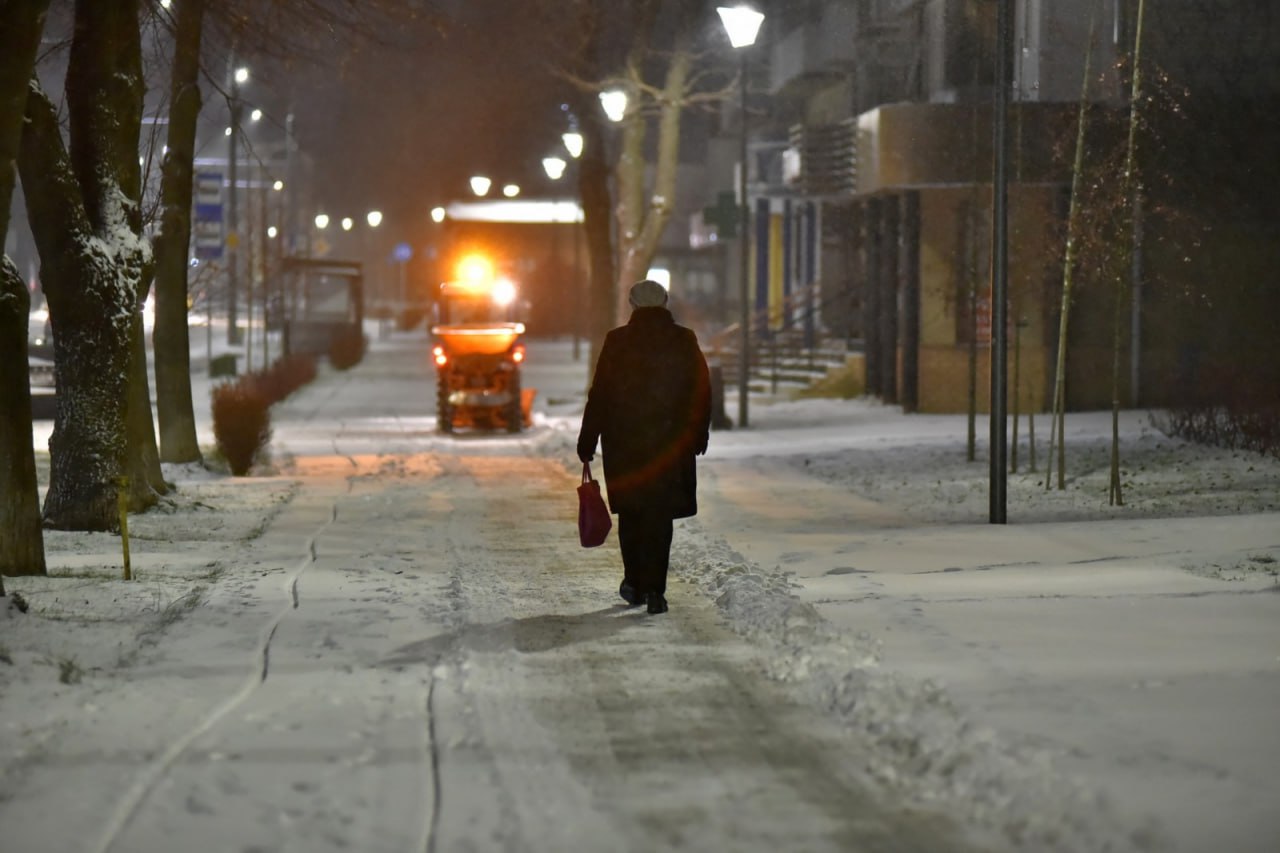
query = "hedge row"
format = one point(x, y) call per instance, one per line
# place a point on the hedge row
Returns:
point(1233, 409)
point(242, 408)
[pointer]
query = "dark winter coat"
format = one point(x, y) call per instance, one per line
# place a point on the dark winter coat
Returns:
point(650, 406)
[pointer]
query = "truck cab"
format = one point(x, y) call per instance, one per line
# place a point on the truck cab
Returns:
point(478, 350)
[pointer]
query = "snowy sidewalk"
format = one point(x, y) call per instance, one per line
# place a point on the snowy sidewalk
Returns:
point(1143, 653)
point(961, 666)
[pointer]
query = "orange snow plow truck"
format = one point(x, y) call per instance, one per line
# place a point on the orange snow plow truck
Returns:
point(478, 352)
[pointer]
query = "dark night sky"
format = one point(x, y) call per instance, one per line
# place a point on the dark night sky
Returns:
point(400, 126)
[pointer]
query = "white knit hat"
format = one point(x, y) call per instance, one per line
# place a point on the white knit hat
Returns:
point(648, 294)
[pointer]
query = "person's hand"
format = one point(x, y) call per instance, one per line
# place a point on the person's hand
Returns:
point(585, 455)
point(701, 449)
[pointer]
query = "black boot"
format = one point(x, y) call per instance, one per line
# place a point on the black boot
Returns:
point(656, 602)
point(630, 594)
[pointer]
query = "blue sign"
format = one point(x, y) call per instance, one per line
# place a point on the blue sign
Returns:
point(207, 222)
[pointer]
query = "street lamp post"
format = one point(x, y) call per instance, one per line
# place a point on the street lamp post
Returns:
point(369, 245)
point(238, 76)
point(573, 144)
point(554, 167)
point(742, 23)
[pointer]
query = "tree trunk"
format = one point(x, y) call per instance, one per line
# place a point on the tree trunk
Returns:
point(593, 186)
point(21, 540)
point(1131, 196)
point(23, 24)
point(174, 407)
point(971, 276)
point(91, 309)
point(643, 217)
point(82, 202)
point(1057, 423)
point(146, 480)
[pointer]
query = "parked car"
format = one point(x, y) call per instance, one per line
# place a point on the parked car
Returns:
point(43, 391)
point(40, 365)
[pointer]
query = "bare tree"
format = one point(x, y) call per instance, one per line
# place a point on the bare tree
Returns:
point(644, 210)
point(21, 542)
point(299, 30)
point(1057, 421)
point(174, 409)
point(654, 48)
point(1130, 188)
point(82, 201)
point(585, 64)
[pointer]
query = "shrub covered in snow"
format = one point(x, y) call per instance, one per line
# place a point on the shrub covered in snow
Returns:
point(241, 422)
point(283, 377)
point(1231, 409)
point(347, 349)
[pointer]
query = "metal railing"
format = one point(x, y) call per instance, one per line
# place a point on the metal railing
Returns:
point(797, 352)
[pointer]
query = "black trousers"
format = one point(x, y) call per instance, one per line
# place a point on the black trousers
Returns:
point(645, 539)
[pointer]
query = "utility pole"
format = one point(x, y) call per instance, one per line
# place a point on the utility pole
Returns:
point(1000, 266)
point(233, 236)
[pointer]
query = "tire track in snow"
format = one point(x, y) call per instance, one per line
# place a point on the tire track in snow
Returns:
point(138, 793)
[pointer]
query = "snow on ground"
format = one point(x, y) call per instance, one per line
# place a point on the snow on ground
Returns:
point(1086, 677)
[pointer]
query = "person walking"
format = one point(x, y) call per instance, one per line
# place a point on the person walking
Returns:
point(650, 408)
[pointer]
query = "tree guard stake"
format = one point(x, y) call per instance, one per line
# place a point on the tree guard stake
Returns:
point(122, 504)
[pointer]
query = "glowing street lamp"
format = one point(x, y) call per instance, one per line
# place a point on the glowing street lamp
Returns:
point(511, 190)
point(614, 102)
point(278, 186)
point(242, 75)
point(374, 218)
point(322, 221)
point(742, 23)
point(437, 214)
point(348, 223)
point(480, 185)
point(572, 143)
point(554, 167)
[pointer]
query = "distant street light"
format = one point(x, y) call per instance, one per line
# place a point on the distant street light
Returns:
point(572, 143)
point(614, 102)
point(437, 214)
point(480, 185)
point(322, 221)
point(256, 115)
point(347, 223)
point(374, 218)
point(278, 186)
point(554, 167)
point(511, 190)
point(742, 23)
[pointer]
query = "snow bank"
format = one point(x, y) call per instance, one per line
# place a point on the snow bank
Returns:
point(917, 743)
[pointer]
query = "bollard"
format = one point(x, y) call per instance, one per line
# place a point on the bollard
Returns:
point(122, 505)
point(719, 418)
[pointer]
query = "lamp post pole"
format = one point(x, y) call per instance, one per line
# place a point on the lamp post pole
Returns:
point(742, 23)
point(233, 237)
point(744, 256)
point(998, 492)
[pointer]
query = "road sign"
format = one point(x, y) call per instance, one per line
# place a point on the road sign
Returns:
point(207, 222)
